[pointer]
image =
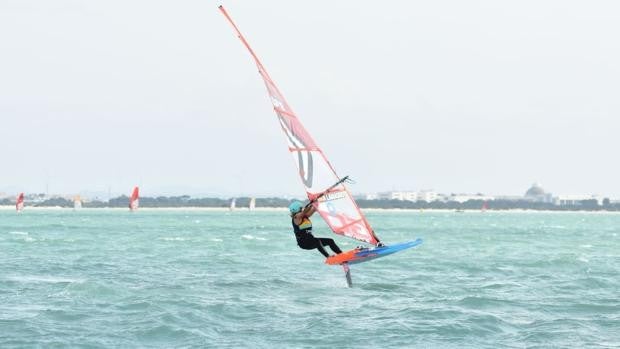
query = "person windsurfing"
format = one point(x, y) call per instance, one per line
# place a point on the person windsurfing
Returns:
point(302, 226)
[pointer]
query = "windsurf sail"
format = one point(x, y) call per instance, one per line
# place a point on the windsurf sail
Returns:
point(335, 205)
point(19, 202)
point(233, 204)
point(134, 200)
point(252, 204)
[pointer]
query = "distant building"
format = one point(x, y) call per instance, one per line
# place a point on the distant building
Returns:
point(403, 195)
point(573, 200)
point(428, 195)
point(461, 198)
point(509, 197)
point(413, 196)
point(371, 196)
point(37, 198)
point(537, 194)
point(374, 196)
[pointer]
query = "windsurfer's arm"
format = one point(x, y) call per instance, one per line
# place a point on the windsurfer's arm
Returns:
point(307, 211)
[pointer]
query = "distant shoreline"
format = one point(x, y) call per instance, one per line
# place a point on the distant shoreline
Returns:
point(242, 203)
point(284, 209)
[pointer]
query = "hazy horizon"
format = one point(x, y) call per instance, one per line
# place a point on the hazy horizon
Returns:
point(146, 192)
point(457, 97)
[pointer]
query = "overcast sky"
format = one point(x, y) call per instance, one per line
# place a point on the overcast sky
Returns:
point(456, 96)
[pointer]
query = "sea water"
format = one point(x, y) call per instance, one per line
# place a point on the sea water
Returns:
point(216, 279)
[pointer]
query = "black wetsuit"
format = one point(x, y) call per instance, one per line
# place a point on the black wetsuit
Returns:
point(307, 241)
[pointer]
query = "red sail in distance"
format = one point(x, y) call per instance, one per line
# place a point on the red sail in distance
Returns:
point(134, 200)
point(19, 204)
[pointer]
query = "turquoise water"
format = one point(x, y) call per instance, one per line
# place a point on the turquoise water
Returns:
point(108, 278)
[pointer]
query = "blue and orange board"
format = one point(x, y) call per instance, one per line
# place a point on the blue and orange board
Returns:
point(365, 254)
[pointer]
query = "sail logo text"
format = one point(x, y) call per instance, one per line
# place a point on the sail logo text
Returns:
point(332, 196)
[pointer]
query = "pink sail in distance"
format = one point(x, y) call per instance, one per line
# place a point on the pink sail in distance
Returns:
point(19, 203)
point(134, 200)
point(337, 206)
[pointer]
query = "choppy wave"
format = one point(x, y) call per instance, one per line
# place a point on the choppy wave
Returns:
point(43, 279)
point(175, 238)
point(162, 280)
point(252, 237)
point(24, 238)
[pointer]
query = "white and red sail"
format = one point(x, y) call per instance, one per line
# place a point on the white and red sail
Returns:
point(337, 207)
point(252, 204)
point(19, 202)
point(134, 199)
point(77, 202)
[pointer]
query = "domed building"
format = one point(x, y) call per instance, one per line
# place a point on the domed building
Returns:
point(535, 190)
point(537, 193)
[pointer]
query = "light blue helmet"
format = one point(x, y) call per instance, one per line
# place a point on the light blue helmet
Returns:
point(295, 207)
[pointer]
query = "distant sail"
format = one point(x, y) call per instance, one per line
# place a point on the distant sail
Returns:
point(77, 202)
point(19, 203)
point(337, 207)
point(233, 204)
point(252, 204)
point(485, 206)
point(134, 200)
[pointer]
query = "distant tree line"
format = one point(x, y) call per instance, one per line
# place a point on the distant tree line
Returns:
point(243, 202)
point(161, 201)
point(187, 201)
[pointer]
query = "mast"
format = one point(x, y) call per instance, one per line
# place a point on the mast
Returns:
point(335, 205)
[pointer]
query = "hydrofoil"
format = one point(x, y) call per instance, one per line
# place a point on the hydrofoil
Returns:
point(363, 254)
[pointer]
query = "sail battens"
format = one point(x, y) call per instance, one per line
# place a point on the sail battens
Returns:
point(282, 111)
point(291, 149)
point(344, 227)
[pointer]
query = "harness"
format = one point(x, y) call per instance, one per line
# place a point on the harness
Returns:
point(304, 229)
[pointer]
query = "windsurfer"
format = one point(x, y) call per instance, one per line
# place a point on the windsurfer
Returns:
point(302, 226)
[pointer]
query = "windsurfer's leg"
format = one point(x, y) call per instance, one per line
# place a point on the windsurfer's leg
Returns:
point(319, 246)
point(310, 243)
point(331, 243)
